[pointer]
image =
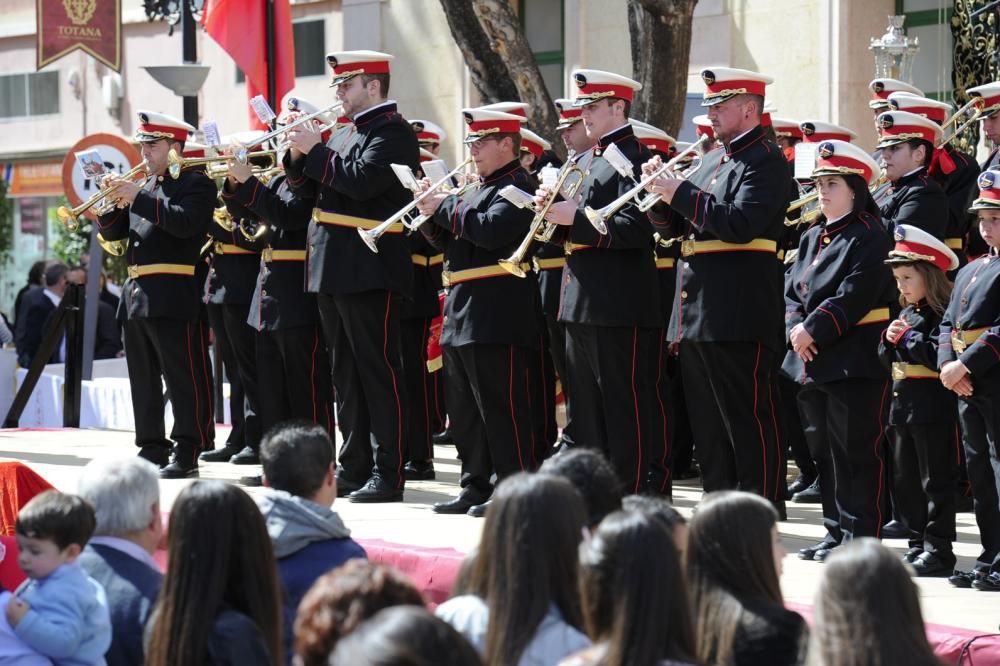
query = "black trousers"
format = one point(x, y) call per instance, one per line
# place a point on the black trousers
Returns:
point(980, 418)
point(661, 453)
point(241, 340)
point(294, 370)
point(419, 382)
point(926, 459)
point(237, 401)
point(487, 388)
point(556, 345)
point(543, 396)
point(844, 424)
point(682, 439)
point(363, 339)
point(730, 400)
point(792, 435)
point(611, 374)
point(175, 351)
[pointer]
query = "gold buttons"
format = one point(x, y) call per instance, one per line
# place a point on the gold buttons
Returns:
point(826, 240)
point(684, 294)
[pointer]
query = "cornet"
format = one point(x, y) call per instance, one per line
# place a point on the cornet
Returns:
point(215, 166)
point(371, 236)
point(600, 217)
point(514, 264)
point(973, 109)
point(243, 152)
point(70, 217)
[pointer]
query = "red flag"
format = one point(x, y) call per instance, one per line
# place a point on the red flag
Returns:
point(240, 28)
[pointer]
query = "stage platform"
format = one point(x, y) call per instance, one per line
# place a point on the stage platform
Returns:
point(410, 532)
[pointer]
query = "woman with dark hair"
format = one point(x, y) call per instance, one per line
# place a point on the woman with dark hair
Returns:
point(523, 605)
point(867, 612)
point(663, 511)
point(733, 563)
point(839, 297)
point(404, 636)
point(220, 600)
point(635, 606)
point(339, 601)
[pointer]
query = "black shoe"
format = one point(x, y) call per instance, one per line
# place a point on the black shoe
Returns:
point(912, 554)
point(692, 472)
point(932, 565)
point(345, 486)
point(810, 495)
point(964, 579)
point(963, 503)
point(158, 455)
point(419, 471)
point(479, 510)
point(460, 504)
point(443, 437)
point(821, 555)
point(247, 456)
point(220, 455)
point(989, 583)
point(809, 553)
point(252, 481)
point(897, 530)
point(800, 483)
point(377, 490)
point(183, 465)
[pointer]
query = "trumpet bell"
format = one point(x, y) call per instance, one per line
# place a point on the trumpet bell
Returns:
point(512, 266)
point(596, 218)
point(370, 239)
point(68, 219)
point(115, 248)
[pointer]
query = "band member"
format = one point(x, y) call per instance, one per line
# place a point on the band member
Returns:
point(165, 222)
point(532, 149)
point(291, 357)
point(970, 367)
point(908, 155)
point(789, 134)
point(881, 89)
point(429, 135)
point(359, 292)
point(923, 415)
point(491, 335)
point(731, 214)
point(956, 172)
point(610, 297)
point(990, 92)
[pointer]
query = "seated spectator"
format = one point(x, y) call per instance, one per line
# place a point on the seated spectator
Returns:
point(60, 611)
point(733, 565)
point(220, 602)
point(867, 611)
point(404, 636)
point(523, 605)
point(125, 494)
point(309, 538)
point(664, 511)
point(341, 600)
point(33, 316)
point(592, 476)
point(635, 606)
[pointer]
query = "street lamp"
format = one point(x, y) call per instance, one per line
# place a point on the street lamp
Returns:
point(894, 52)
point(186, 79)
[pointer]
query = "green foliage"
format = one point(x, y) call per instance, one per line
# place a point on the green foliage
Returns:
point(69, 245)
point(6, 224)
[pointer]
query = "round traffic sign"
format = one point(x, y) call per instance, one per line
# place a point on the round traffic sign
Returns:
point(117, 154)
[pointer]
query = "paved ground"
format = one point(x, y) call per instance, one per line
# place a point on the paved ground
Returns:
point(59, 454)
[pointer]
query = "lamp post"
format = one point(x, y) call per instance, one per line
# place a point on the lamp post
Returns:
point(186, 79)
point(894, 52)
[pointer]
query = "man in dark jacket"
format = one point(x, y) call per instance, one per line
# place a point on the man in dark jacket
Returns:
point(125, 494)
point(309, 538)
point(36, 308)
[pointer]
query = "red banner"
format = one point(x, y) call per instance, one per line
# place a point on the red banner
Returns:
point(91, 25)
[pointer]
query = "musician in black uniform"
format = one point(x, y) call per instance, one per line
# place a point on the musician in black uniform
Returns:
point(610, 296)
point(291, 361)
point(955, 171)
point(727, 305)
point(990, 115)
point(165, 222)
point(969, 361)
point(839, 297)
point(491, 333)
point(907, 142)
point(359, 292)
point(923, 415)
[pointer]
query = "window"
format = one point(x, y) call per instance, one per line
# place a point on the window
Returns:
point(310, 49)
point(930, 22)
point(25, 95)
point(543, 26)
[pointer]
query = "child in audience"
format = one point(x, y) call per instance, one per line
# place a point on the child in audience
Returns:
point(59, 611)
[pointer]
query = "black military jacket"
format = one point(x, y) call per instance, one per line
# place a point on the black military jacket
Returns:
point(839, 277)
point(975, 304)
point(739, 195)
point(232, 275)
point(917, 400)
point(164, 225)
point(279, 300)
point(610, 280)
point(477, 230)
point(358, 182)
point(428, 262)
point(960, 188)
point(919, 201)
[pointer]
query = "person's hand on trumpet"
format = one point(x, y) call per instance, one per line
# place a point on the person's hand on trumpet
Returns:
point(666, 185)
point(122, 192)
point(430, 203)
point(236, 172)
point(560, 212)
point(302, 138)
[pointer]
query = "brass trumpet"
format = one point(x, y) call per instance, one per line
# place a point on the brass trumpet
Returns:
point(243, 153)
point(973, 109)
point(879, 190)
point(115, 248)
point(514, 264)
point(216, 167)
point(371, 236)
point(70, 217)
point(258, 232)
